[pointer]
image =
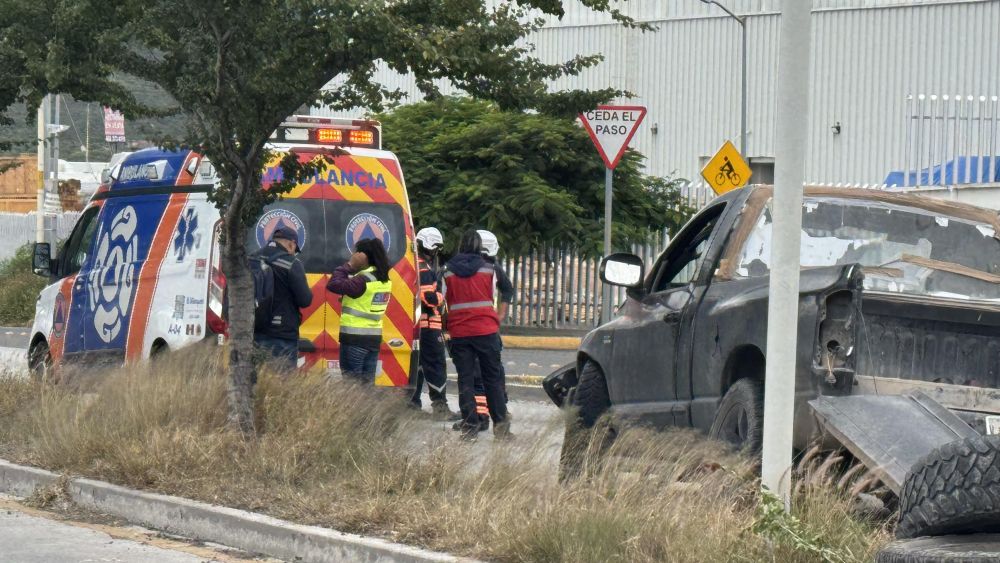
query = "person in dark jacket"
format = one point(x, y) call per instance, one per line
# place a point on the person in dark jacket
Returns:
point(473, 323)
point(291, 293)
point(363, 282)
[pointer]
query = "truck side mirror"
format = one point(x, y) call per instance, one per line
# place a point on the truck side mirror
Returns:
point(41, 259)
point(622, 269)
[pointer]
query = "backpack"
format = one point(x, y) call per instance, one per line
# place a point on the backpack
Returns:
point(263, 291)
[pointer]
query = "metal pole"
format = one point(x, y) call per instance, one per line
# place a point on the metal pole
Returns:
point(606, 294)
point(743, 102)
point(54, 192)
point(42, 169)
point(783, 305)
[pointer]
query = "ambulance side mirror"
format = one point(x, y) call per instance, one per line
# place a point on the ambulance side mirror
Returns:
point(41, 259)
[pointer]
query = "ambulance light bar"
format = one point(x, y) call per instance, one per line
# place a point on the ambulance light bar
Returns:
point(319, 131)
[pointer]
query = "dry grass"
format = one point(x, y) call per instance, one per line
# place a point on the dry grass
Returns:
point(347, 458)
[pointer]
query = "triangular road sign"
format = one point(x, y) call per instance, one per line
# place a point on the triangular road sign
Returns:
point(611, 128)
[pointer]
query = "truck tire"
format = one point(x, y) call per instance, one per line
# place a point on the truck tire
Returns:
point(591, 399)
point(740, 418)
point(953, 489)
point(976, 548)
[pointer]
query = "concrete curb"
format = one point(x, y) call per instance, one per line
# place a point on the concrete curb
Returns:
point(540, 342)
point(248, 531)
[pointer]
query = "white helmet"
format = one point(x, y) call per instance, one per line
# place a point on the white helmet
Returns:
point(490, 243)
point(430, 238)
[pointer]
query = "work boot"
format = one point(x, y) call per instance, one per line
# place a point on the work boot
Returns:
point(469, 433)
point(484, 423)
point(501, 430)
point(442, 412)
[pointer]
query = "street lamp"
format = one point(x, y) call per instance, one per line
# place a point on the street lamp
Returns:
point(742, 20)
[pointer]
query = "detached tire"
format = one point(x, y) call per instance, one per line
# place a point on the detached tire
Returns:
point(591, 399)
point(977, 548)
point(954, 489)
point(740, 418)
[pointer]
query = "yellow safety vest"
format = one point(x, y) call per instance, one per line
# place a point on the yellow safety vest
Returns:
point(363, 315)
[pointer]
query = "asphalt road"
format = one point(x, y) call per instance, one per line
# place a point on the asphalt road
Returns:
point(13, 341)
point(30, 536)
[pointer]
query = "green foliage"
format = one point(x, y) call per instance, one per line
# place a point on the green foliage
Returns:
point(20, 288)
point(529, 178)
point(778, 526)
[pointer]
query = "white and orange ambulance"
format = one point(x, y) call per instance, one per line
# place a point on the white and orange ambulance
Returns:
point(140, 273)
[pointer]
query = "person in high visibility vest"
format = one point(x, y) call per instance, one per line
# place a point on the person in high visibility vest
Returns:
point(503, 294)
point(363, 282)
point(474, 326)
point(432, 367)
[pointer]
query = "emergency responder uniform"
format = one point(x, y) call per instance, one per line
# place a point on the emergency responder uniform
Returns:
point(432, 368)
point(468, 286)
point(363, 305)
point(503, 292)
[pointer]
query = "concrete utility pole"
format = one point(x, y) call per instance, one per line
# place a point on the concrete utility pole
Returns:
point(783, 304)
point(43, 169)
point(742, 20)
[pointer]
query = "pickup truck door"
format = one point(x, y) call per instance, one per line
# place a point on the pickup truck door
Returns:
point(650, 336)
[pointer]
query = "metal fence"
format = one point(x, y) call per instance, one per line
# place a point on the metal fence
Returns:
point(556, 287)
point(18, 229)
point(951, 140)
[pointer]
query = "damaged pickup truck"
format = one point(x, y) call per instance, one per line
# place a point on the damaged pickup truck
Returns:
point(899, 294)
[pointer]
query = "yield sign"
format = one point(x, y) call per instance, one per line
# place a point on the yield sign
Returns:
point(611, 128)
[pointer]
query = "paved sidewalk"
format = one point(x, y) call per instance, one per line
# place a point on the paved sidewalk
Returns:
point(30, 538)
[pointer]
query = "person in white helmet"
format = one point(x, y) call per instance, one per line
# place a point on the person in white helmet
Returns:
point(503, 293)
point(432, 368)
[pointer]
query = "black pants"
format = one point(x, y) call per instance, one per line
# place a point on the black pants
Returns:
point(432, 367)
point(465, 352)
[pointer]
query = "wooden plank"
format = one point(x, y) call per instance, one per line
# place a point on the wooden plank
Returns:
point(961, 397)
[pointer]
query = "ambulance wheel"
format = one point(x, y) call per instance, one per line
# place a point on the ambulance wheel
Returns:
point(589, 400)
point(159, 350)
point(40, 362)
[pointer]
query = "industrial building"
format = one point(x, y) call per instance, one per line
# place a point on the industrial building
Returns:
point(895, 84)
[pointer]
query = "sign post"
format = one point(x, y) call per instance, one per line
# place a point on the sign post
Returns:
point(611, 129)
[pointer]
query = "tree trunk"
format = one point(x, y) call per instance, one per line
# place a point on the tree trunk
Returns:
point(242, 371)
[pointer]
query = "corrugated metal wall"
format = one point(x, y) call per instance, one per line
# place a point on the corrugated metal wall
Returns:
point(868, 55)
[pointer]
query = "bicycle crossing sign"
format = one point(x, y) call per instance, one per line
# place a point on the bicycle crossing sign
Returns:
point(727, 170)
point(611, 128)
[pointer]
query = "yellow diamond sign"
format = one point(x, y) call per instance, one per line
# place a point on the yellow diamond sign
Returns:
point(727, 170)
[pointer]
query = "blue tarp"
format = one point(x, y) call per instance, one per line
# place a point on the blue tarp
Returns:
point(962, 170)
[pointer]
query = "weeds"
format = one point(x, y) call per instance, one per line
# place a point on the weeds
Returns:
point(358, 461)
point(20, 288)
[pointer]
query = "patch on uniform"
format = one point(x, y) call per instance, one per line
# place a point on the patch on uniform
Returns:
point(279, 218)
point(59, 316)
point(381, 298)
point(365, 226)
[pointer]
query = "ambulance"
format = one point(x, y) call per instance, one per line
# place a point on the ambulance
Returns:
point(140, 273)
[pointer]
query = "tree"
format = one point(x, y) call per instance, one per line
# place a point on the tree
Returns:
point(529, 178)
point(237, 68)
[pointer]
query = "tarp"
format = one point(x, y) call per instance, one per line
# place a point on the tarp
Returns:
point(962, 170)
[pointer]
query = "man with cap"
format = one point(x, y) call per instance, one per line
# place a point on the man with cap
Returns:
point(280, 337)
point(432, 367)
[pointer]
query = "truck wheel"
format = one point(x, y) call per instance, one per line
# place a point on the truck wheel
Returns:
point(40, 362)
point(591, 399)
point(976, 548)
point(740, 418)
point(954, 489)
